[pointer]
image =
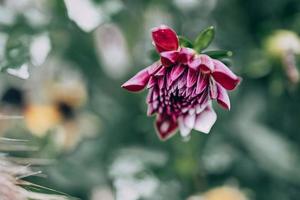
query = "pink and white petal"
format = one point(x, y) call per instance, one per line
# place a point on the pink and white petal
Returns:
point(168, 57)
point(150, 109)
point(177, 71)
point(182, 81)
point(137, 82)
point(165, 38)
point(152, 69)
point(200, 108)
point(202, 83)
point(205, 120)
point(183, 129)
point(192, 77)
point(149, 95)
point(204, 100)
point(189, 120)
point(207, 65)
point(195, 63)
point(223, 98)
point(166, 126)
point(223, 75)
point(213, 90)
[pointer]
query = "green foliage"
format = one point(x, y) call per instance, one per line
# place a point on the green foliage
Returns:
point(185, 42)
point(204, 39)
point(218, 54)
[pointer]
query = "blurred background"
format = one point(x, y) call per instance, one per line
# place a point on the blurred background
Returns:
point(63, 63)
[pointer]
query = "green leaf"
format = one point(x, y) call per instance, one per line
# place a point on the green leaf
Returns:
point(204, 39)
point(217, 54)
point(183, 41)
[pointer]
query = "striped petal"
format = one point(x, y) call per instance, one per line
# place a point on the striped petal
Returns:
point(137, 82)
point(177, 71)
point(191, 77)
point(223, 98)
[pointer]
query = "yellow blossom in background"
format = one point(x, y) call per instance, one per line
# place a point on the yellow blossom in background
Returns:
point(221, 193)
point(41, 118)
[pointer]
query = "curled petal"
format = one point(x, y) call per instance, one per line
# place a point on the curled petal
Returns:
point(168, 57)
point(138, 82)
point(166, 126)
point(225, 76)
point(185, 55)
point(207, 64)
point(205, 120)
point(223, 98)
point(164, 39)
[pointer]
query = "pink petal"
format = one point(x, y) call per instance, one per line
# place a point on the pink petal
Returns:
point(137, 82)
point(151, 82)
point(169, 80)
point(185, 55)
point(207, 64)
point(223, 98)
point(164, 38)
point(205, 120)
point(152, 69)
point(184, 130)
point(168, 57)
point(189, 120)
point(225, 76)
point(177, 71)
point(202, 83)
point(150, 109)
point(182, 81)
point(161, 71)
point(195, 63)
point(203, 100)
point(149, 95)
point(213, 90)
point(166, 126)
point(161, 82)
point(191, 77)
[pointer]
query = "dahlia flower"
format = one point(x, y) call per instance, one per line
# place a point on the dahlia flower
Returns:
point(182, 85)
